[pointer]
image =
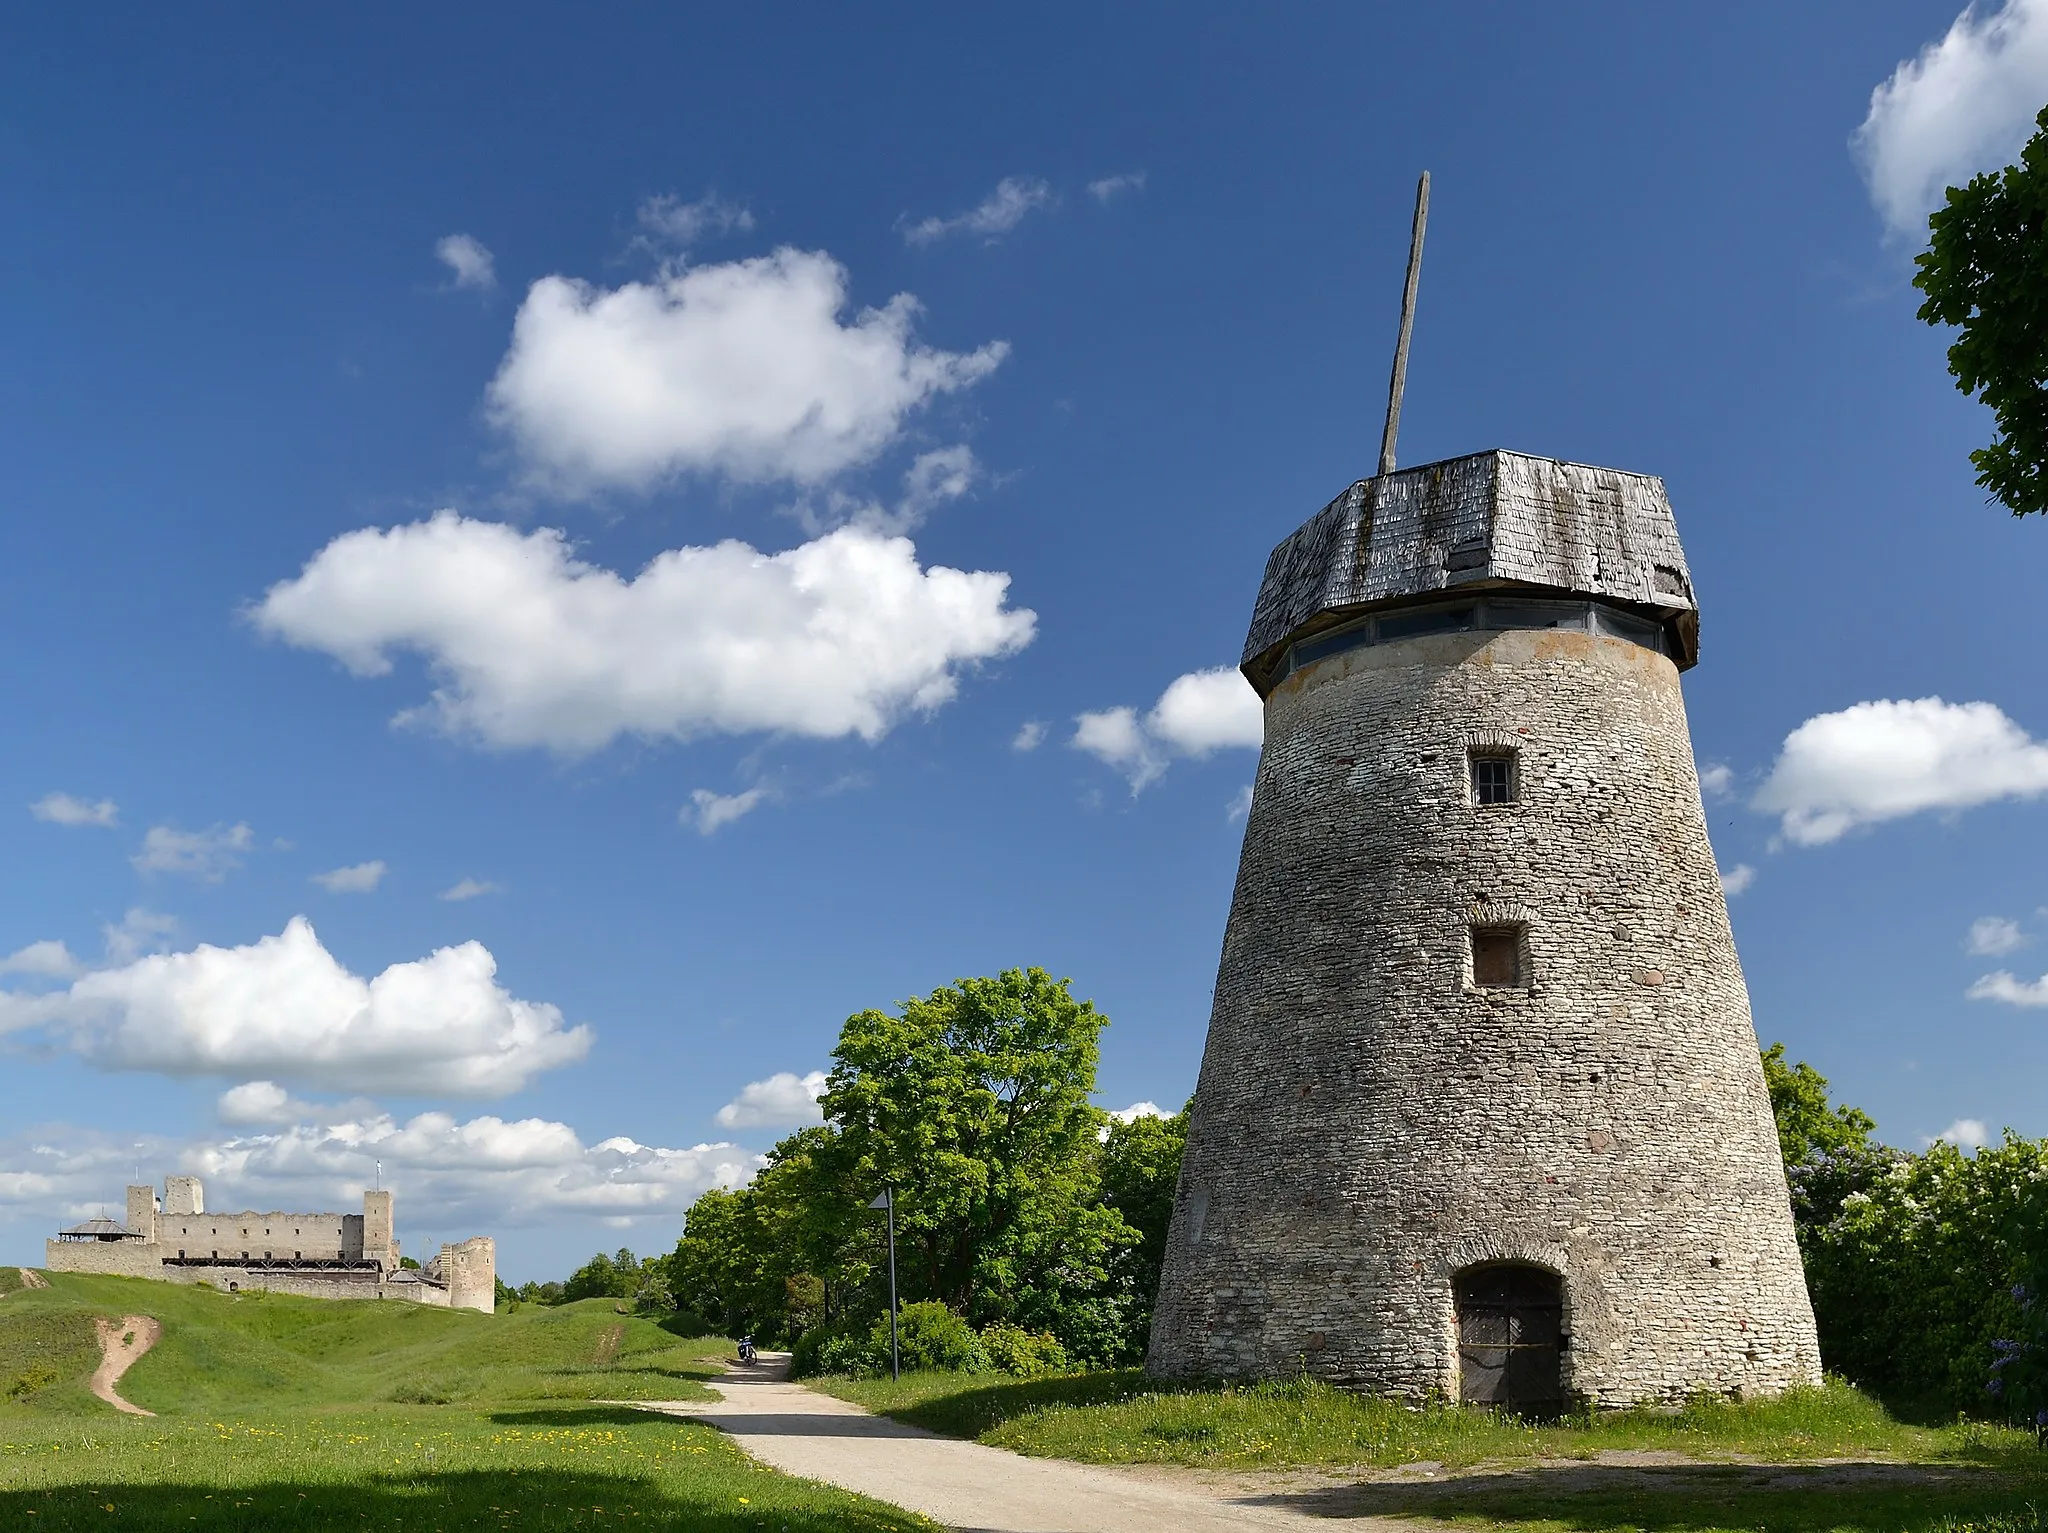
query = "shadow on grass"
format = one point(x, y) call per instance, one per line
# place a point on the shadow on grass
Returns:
point(1823, 1498)
point(541, 1500)
point(568, 1416)
point(972, 1412)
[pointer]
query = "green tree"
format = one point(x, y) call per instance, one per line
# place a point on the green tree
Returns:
point(1140, 1170)
point(604, 1277)
point(1985, 271)
point(1807, 1121)
point(973, 1102)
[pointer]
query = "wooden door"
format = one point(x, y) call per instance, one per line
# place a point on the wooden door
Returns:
point(1511, 1337)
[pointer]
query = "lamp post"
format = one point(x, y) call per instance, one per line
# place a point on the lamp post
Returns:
point(886, 1199)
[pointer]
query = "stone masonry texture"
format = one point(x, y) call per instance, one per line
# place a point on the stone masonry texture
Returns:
point(1368, 1122)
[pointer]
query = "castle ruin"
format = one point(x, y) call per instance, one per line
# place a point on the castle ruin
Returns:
point(322, 1256)
point(1480, 1114)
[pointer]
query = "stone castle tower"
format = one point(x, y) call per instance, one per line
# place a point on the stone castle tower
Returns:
point(1481, 1114)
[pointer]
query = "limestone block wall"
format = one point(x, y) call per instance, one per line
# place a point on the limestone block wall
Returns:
point(137, 1259)
point(262, 1236)
point(142, 1212)
point(471, 1272)
point(1368, 1122)
point(379, 1240)
point(183, 1195)
point(114, 1258)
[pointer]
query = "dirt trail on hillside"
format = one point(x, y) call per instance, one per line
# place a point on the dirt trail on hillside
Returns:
point(121, 1343)
point(30, 1278)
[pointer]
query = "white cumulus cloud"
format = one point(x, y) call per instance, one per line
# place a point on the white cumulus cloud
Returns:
point(139, 931)
point(784, 1100)
point(453, 1176)
point(46, 960)
point(207, 855)
point(1964, 1134)
point(933, 478)
point(469, 889)
point(1240, 805)
point(1882, 761)
point(361, 878)
point(265, 1104)
point(708, 810)
point(1991, 936)
point(995, 215)
point(284, 1009)
point(532, 647)
point(1737, 880)
point(468, 262)
point(2004, 986)
point(743, 369)
point(1964, 104)
point(1030, 735)
point(1717, 780)
point(63, 809)
point(1201, 712)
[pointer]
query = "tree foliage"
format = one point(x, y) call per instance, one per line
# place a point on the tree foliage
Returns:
point(972, 1103)
point(1985, 271)
point(1020, 1207)
point(1917, 1264)
point(606, 1277)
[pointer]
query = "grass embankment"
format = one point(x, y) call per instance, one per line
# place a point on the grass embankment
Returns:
point(1712, 1465)
point(309, 1414)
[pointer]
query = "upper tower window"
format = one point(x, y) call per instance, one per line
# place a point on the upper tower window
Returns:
point(1493, 777)
point(1500, 959)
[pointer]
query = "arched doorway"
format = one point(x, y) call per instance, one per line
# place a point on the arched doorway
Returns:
point(1510, 1337)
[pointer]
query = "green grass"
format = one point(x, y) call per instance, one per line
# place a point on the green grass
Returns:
point(283, 1412)
point(1815, 1461)
point(1123, 1418)
point(220, 1351)
point(1677, 1501)
point(10, 1279)
point(410, 1467)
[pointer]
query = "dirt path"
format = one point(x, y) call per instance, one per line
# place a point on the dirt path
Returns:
point(30, 1278)
point(961, 1484)
point(121, 1343)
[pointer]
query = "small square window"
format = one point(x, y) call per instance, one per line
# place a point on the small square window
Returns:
point(1497, 962)
point(1493, 778)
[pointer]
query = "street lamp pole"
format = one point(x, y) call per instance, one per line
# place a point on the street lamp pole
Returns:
point(886, 1199)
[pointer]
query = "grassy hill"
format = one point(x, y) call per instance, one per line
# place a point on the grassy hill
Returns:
point(221, 1351)
point(275, 1411)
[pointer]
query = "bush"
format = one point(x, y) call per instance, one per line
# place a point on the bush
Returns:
point(1921, 1273)
point(654, 1298)
point(1026, 1354)
point(931, 1338)
point(417, 1394)
point(828, 1349)
point(34, 1378)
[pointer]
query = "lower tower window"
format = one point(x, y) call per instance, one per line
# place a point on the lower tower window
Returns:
point(1499, 959)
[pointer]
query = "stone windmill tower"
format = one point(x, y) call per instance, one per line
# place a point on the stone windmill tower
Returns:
point(1481, 1114)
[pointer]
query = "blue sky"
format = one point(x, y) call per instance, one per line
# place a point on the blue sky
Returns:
point(825, 405)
